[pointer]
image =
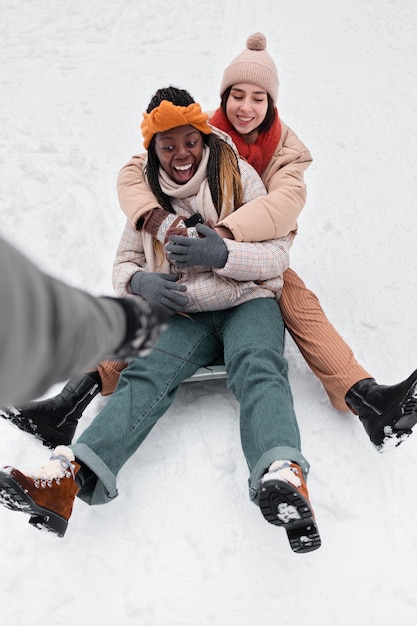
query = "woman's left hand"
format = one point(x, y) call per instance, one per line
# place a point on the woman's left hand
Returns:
point(208, 250)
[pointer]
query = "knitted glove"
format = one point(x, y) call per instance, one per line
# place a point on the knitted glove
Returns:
point(161, 224)
point(188, 252)
point(144, 323)
point(160, 288)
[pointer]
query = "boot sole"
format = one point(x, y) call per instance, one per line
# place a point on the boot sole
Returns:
point(59, 434)
point(398, 430)
point(49, 436)
point(14, 498)
point(282, 505)
point(408, 408)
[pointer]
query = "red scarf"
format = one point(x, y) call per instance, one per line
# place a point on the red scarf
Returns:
point(258, 154)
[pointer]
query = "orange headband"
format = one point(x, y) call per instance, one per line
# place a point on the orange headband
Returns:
point(168, 115)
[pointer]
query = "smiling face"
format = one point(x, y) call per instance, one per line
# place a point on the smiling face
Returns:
point(246, 108)
point(179, 151)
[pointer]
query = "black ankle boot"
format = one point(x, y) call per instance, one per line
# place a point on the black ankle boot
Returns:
point(54, 420)
point(387, 412)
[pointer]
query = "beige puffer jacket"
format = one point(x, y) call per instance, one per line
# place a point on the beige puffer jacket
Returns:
point(269, 217)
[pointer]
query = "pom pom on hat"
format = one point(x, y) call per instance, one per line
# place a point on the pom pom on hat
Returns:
point(254, 65)
point(257, 41)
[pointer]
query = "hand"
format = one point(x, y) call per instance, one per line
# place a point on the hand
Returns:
point(224, 232)
point(145, 321)
point(188, 252)
point(160, 288)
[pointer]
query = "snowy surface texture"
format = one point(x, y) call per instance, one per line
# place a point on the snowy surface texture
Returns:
point(182, 545)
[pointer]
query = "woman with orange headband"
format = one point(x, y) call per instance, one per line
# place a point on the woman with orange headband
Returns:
point(226, 292)
point(249, 92)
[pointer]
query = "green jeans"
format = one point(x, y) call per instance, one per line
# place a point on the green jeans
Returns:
point(251, 337)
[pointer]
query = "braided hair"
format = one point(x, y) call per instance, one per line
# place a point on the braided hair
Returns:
point(223, 174)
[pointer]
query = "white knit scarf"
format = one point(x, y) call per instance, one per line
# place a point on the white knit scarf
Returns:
point(197, 186)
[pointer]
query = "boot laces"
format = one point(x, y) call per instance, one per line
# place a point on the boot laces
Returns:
point(285, 470)
point(65, 464)
point(67, 471)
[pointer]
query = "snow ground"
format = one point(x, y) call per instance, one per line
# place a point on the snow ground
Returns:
point(182, 545)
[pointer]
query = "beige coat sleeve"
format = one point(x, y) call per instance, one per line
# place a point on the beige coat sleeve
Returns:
point(270, 217)
point(275, 215)
point(135, 197)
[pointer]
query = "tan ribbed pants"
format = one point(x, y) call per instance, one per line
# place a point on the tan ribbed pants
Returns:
point(326, 353)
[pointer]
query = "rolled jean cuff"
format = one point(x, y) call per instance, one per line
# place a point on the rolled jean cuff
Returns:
point(104, 489)
point(280, 453)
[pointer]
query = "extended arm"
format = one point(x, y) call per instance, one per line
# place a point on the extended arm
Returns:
point(50, 331)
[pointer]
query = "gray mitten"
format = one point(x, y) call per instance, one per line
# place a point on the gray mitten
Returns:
point(159, 287)
point(209, 250)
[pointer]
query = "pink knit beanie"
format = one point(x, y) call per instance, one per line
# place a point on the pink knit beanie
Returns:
point(254, 65)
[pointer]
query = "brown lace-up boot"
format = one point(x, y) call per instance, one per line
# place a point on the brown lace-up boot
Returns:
point(284, 501)
point(47, 495)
